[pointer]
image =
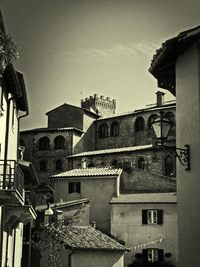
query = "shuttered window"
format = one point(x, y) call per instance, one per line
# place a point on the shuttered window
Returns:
point(152, 255)
point(152, 216)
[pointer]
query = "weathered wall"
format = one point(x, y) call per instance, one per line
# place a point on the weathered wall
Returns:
point(152, 178)
point(97, 259)
point(126, 225)
point(188, 132)
point(66, 116)
point(98, 190)
point(127, 134)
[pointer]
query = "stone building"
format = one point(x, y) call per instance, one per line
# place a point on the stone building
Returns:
point(74, 133)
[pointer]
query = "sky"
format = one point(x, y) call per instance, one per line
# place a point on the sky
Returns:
point(71, 49)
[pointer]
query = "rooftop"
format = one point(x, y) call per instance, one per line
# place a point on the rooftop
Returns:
point(61, 205)
point(112, 150)
point(87, 238)
point(85, 172)
point(163, 62)
point(51, 129)
point(145, 198)
point(153, 107)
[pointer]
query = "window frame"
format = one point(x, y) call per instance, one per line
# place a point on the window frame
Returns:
point(74, 187)
point(157, 221)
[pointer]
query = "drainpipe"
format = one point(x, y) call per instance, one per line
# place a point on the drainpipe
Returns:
point(70, 259)
point(1, 233)
point(20, 117)
point(6, 141)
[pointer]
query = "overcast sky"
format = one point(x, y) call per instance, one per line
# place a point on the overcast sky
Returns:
point(71, 49)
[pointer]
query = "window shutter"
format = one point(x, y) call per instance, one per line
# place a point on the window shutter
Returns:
point(145, 255)
point(160, 255)
point(160, 216)
point(144, 216)
point(78, 187)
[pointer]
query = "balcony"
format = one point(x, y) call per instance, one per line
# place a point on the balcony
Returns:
point(11, 182)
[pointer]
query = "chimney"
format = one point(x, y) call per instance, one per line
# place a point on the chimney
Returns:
point(160, 98)
point(83, 163)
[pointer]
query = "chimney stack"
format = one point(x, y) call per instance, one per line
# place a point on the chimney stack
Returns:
point(83, 163)
point(160, 98)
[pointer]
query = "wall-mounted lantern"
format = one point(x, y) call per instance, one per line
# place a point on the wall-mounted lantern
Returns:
point(162, 127)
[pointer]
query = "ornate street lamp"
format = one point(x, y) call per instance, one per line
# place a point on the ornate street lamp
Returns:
point(162, 127)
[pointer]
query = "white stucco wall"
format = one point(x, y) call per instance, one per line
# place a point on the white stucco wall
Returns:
point(126, 225)
point(188, 132)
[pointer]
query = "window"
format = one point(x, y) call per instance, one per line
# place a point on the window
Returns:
point(139, 124)
point(141, 164)
point(103, 130)
point(151, 120)
point(169, 166)
point(114, 130)
point(74, 187)
point(59, 142)
point(59, 165)
point(43, 165)
point(170, 116)
point(43, 143)
point(152, 216)
point(152, 255)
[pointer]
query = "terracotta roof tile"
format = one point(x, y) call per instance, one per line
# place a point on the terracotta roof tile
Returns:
point(107, 171)
point(88, 238)
point(146, 198)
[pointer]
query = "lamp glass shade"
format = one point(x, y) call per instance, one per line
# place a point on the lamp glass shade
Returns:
point(161, 127)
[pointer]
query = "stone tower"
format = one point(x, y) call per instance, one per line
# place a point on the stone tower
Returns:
point(103, 106)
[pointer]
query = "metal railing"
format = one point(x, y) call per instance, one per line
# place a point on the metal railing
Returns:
point(11, 176)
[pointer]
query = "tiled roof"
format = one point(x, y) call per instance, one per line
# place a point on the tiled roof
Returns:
point(146, 198)
point(145, 109)
point(106, 171)
point(112, 150)
point(51, 129)
point(61, 205)
point(88, 238)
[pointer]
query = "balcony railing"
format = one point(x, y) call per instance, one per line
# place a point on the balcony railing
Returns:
point(11, 176)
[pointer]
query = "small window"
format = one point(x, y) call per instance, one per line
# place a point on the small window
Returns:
point(59, 142)
point(44, 143)
point(59, 165)
point(139, 124)
point(43, 165)
point(74, 187)
point(114, 130)
point(103, 130)
point(152, 216)
point(152, 255)
point(141, 164)
point(169, 166)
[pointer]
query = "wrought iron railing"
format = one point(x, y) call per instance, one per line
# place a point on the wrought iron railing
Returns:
point(11, 176)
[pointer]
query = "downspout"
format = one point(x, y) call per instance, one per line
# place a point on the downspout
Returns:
point(1, 234)
point(20, 117)
point(6, 141)
point(70, 259)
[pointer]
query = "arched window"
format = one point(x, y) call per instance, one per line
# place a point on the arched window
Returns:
point(44, 143)
point(43, 165)
point(141, 164)
point(169, 166)
point(114, 130)
point(59, 142)
point(170, 116)
point(139, 124)
point(59, 165)
point(103, 130)
point(151, 120)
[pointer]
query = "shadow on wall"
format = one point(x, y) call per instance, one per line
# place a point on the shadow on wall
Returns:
point(87, 141)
